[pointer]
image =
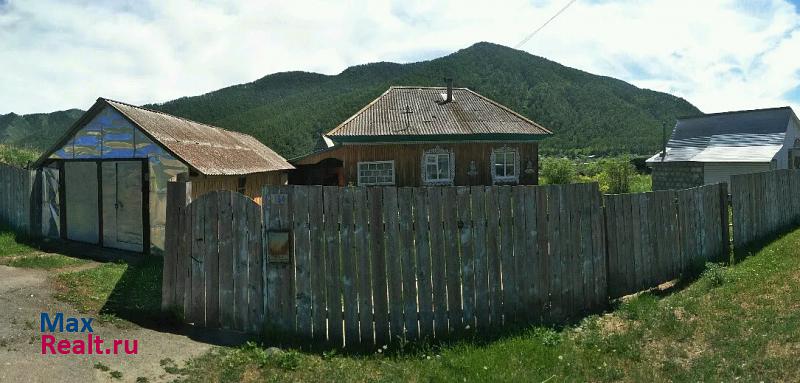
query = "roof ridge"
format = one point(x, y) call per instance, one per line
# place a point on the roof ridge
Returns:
point(733, 112)
point(424, 87)
point(167, 114)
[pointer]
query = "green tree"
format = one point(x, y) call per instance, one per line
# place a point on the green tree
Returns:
point(557, 170)
point(617, 175)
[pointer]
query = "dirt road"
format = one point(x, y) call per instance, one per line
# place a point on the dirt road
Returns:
point(26, 293)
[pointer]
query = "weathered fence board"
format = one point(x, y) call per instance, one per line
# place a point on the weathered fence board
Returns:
point(18, 200)
point(764, 204)
point(644, 248)
point(422, 230)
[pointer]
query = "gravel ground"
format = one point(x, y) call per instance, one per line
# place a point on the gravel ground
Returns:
point(25, 293)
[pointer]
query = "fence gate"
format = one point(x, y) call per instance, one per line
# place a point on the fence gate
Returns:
point(213, 270)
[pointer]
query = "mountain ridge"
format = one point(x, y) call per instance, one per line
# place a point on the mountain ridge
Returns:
point(589, 114)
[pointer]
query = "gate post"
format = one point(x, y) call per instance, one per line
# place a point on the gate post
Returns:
point(175, 269)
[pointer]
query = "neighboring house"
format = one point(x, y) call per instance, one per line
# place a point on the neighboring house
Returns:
point(105, 181)
point(421, 136)
point(710, 148)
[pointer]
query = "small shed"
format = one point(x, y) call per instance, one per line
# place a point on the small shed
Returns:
point(105, 181)
point(424, 136)
point(710, 148)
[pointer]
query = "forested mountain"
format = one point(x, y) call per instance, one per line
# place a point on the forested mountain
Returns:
point(287, 111)
point(35, 130)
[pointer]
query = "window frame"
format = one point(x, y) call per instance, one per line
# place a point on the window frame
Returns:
point(505, 150)
point(438, 151)
point(364, 163)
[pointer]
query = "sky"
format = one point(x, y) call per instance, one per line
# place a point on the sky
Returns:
point(61, 54)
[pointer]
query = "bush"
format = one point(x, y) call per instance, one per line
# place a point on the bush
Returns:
point(617, 175)
point(557, 170)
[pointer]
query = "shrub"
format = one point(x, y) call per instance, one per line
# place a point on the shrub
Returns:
point(557, 170)
point(617, 175)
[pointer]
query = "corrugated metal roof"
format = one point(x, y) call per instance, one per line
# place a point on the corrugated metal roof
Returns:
point(208, 149)
point(742, 136)
point(419, 111)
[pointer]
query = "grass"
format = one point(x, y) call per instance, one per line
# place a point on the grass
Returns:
point(115, 290)
point(737, 323)
point(17, 251)
point(45, 261)
point(12, 245)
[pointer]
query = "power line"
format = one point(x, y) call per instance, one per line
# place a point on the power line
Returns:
point(526, 39)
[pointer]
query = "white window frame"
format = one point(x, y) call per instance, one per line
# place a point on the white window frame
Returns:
point(437, 151)
point(493, 161)
point(363, 163)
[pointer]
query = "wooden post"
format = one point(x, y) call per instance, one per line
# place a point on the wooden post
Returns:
point(174, 270)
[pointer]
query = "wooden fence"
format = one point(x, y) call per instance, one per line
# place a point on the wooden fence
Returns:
point(15, 198)
point(432, 262)
point(655, 237)
point(360, 267)
point(764, 204)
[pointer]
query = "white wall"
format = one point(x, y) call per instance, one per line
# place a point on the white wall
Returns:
point(792, 133)
point(714, 172)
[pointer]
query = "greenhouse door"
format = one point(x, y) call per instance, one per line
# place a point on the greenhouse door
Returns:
point(122, 205)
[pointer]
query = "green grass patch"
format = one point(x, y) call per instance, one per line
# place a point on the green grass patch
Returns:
point(737, 323)
point(45, 261)
point(115, 290)
point(12, 244)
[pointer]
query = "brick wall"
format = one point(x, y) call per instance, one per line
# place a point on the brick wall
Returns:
point(677, 175)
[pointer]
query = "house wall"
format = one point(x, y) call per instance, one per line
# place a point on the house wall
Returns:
point(408, 158)
point(714, 172)
point(677, 175)
point(253, 184)
point(786, 157)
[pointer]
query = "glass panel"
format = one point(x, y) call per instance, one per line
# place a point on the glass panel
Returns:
point(444, 166)
point(499, 170)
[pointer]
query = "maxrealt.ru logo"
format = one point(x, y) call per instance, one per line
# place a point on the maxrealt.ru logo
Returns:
point(93, 344)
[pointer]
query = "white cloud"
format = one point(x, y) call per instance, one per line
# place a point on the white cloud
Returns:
point(720, 55)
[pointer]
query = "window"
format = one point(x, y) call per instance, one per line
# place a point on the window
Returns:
point(437, 167)
point(505, 165)
point(376, 173)
point(242, 185)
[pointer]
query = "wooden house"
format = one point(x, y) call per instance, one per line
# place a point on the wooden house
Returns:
point(105, 181)
point(423, 136)
point(710, 148)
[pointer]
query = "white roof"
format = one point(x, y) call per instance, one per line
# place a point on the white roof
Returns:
point(746, 136)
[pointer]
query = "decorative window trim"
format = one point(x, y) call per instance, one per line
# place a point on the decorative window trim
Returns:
point(451, 168)
point(358, 173)
point(504, 179)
